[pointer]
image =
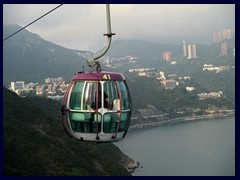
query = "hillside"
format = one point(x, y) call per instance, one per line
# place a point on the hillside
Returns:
point(27, 53)
point(145, 50)
point(27, 57)
point(35, 144)
point(147, 93)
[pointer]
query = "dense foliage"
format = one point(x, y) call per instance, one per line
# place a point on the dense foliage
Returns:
point(35, 144)
point(147, 90)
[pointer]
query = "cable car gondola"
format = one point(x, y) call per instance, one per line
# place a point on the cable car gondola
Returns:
point(97, 105)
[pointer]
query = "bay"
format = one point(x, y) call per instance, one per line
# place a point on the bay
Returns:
point(196, 148)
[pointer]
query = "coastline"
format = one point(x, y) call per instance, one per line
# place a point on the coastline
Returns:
point(181, 119)
point(131, 165)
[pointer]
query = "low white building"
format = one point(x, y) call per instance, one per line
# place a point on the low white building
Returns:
point(203, 96)
point(14, 86)
point(190, 89)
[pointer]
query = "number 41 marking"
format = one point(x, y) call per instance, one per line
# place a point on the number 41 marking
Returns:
point(106, 76)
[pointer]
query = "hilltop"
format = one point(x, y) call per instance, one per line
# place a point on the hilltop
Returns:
point(27, 53)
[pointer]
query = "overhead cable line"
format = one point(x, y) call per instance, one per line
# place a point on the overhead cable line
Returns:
point(33, 22)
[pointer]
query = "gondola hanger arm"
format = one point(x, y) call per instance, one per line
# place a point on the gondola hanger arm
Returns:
point(93, 61)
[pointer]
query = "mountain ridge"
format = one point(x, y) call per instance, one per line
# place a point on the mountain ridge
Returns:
point(42, 58)
point(27, 53)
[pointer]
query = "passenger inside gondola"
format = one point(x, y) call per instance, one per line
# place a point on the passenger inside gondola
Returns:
point(99, 101)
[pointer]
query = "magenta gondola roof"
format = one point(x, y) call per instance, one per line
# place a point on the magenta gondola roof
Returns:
point(103, 75)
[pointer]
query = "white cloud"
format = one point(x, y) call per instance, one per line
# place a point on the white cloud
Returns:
point(81, 26)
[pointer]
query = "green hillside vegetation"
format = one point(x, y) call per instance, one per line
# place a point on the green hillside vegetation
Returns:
point(147, 90)
point(145, 50)
point(35, 144)
point(27, 53)
point(28, 57)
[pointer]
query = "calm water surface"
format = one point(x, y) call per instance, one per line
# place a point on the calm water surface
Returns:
point(196, 148)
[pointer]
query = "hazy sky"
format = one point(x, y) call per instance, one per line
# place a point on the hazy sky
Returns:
point(81, 26)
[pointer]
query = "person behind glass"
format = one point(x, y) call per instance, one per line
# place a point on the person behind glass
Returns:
point(99, 105)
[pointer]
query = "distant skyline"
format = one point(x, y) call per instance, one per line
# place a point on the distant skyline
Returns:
point(81, 26)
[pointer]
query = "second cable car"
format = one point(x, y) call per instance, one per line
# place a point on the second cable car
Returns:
point(97, 107)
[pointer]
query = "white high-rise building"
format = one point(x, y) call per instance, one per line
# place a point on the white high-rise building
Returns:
point(184, 49)
point(223, 35)
point(189, 51)
point(17, 85)
point(192, 51)
point(224, 49)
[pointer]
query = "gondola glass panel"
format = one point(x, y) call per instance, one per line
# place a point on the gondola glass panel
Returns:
point(97, 110)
